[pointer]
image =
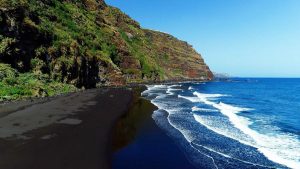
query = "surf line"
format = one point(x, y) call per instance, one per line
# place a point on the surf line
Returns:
point(227, 156)
point(213, 160)
point(190, 141)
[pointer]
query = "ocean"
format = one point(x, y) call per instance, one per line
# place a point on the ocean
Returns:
point(241, 123)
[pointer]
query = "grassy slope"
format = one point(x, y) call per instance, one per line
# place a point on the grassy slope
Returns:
point(59, 44)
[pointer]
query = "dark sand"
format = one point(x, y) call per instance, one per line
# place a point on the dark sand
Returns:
point(64, 146)
point(82, 130)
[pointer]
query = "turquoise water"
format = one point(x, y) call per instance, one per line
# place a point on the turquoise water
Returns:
point(244, 123)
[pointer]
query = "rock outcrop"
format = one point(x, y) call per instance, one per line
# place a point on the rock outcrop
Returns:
point(88, 44)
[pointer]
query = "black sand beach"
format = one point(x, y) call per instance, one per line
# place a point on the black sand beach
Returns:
point(82, 131)
point(78, 139)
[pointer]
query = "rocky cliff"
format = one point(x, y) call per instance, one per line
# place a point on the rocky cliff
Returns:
point(87, 43)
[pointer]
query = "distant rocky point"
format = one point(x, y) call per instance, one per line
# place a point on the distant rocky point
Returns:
point(221, 76)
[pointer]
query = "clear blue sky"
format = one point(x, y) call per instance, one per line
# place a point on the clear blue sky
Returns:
point(250, 38)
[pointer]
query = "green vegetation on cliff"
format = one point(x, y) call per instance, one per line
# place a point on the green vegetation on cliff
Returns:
point(15, 85)
point(60, 44)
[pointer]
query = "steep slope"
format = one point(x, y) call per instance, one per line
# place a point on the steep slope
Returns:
point(87, 43)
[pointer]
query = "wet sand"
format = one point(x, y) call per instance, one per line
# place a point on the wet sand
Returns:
point(141, 144)
point(94, 129)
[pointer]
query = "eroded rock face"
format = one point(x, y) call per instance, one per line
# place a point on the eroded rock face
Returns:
point(94, 4)
point(88, 44)
point(178, 59)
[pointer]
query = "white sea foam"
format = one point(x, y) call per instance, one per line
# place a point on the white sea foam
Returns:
point(175, 86)
point(195, 108)
point(279, 147)
point(188, 134)
point(171, 89)
point(163, 106)
point(217, 125)
point(204, 98)
point(153, 87)
point(192, 99)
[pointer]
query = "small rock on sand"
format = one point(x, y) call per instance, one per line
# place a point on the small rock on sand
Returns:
point(47, 137)
point(70, 121)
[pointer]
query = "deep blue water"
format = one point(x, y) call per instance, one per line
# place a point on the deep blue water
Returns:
point(244, 123)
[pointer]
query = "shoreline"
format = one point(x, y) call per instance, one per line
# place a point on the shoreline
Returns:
point(129, 85)
point(143, 144)
point(84, 129)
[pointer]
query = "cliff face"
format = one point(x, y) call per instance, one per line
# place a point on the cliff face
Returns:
point(177, 58)
point(87, 43)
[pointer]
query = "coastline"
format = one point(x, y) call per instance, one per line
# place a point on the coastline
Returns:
point(34, 99)
point(84, 129)
point(140, 144)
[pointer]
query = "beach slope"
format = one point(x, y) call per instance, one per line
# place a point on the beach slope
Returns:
point(65, 132)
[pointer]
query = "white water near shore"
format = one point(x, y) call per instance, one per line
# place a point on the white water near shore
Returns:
point(278, 147)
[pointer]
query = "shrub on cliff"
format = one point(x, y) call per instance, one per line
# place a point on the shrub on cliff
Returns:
point(30, 85)
point(7, 72)
point(9, 4)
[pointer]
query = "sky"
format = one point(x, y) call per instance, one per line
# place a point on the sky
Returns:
point(244, 38)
